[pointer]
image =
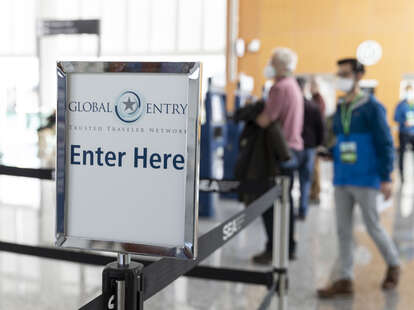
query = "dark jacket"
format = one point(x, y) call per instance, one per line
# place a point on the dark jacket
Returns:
point(260, 150)
point(313, 127)
point(403, 116)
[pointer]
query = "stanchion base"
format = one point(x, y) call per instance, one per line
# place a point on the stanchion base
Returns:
point(131, 275)
point(278, 288)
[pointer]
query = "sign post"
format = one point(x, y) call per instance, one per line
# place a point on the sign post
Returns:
point(122, 285)
point(128, 157)
point(128, 165)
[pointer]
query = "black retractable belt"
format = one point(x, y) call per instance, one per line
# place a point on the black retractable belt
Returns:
point(161, 273)
point(257, 187)
point(268, 297)
point(42, 174)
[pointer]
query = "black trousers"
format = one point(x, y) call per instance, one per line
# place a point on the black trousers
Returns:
point(405, 140)
point(267, 218)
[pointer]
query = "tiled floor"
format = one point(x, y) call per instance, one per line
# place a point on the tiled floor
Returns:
point(27, 216)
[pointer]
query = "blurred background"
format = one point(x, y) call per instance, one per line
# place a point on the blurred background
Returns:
point(234, 40)
point(181, 30)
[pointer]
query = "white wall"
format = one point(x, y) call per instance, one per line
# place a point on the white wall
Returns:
point(143, 30)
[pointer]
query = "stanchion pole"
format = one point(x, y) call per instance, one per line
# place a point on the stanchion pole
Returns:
point(122, 284)
point(123, 261)
point(281, 242)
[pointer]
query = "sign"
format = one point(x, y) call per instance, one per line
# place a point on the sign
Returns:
point(79, 26)
point(127, 157)
point(369, 52)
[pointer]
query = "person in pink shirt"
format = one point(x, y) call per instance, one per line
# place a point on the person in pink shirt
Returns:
point(285, 104)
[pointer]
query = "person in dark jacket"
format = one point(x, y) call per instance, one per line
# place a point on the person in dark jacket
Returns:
point(404, 116)
point(320, 102)
point(312, 134)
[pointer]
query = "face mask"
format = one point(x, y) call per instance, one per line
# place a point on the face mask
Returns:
point(269, 72)
point(410, 96)
point(344, 84)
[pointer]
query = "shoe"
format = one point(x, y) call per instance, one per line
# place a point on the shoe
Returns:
point(301, 217)
point(392, 278)
point(264, 258)
point(314, 202)
point(343, 287)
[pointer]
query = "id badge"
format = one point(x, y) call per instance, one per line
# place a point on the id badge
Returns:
point(410, 118)
point(348, 152)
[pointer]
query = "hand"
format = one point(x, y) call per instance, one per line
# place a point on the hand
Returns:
point(263, 120)
point(324, 153)
point(249, 100)
point(325, 157)
point(386, 189)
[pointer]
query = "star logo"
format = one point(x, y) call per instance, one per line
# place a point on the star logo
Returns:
point(128, 104)
point(128, 107)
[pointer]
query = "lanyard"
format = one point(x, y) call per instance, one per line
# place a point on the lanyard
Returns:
point(346, 114)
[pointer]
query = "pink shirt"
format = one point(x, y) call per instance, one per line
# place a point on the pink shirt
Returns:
point(285, 103)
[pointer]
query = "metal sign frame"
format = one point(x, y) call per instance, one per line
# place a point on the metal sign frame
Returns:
point(192, 70)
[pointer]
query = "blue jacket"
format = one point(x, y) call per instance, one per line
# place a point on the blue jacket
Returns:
point(400, 116)
point(375, 150)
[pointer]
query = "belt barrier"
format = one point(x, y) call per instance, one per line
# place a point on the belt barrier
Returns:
point(159, 274)
point(37, 173)
point(205, 185)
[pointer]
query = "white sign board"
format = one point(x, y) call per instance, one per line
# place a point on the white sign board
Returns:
point(128, 157)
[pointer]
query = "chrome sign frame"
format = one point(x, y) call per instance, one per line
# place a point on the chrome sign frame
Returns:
point(192, 70)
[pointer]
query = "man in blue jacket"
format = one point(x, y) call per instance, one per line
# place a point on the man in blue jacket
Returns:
point(363, 161)
point(404, 116)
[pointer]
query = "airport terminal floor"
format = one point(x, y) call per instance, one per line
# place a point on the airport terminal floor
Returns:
point(33, 283)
